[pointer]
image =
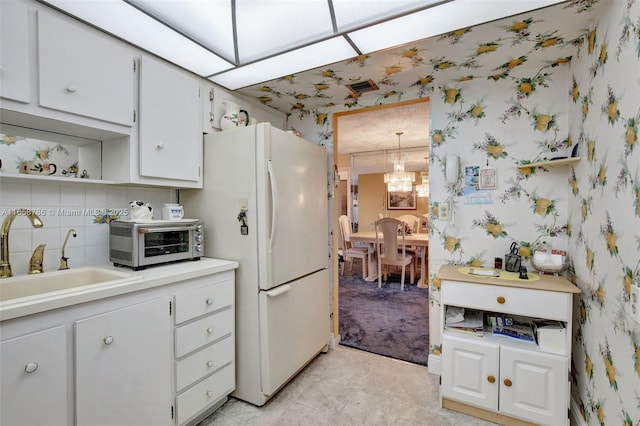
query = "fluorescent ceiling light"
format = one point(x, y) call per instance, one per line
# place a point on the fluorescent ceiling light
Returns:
point(268, 28)
point(208, 22)
point(128, 23)
point(312, 56)
point(439, 20)
point(351, 14)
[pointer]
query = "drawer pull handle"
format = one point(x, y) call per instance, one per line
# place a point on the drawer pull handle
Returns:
point(70, 89)
point(209, 330)
point(491, 379)
point(209, 302)
point(501, 300)
point(507, 382)
point(31, 367)
point(209, 364)
point(108, 340)
point(209, 393)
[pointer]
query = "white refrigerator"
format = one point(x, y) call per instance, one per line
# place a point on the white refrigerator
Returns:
point(264, 204)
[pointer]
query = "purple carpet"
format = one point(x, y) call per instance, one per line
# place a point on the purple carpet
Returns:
point(384, 320)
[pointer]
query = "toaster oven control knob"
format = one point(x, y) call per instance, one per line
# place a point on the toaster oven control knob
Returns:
point(198, 238)
point(199, 228)
point(198, 247)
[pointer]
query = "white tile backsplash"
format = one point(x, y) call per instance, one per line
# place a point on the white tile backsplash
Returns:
point(63, 206)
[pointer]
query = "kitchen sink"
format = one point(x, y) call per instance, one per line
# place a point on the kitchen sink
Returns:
point(57, 281)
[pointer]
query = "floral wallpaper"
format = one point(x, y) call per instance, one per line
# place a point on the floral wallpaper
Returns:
point(507, 94)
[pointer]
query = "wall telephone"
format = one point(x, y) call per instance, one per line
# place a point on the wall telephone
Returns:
point(451, 168)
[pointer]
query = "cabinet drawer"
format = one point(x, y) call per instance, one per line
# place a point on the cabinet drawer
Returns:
point(203, 331)
point(513, 300)
point(200, 301)
point(201, 363)
point(206, 393)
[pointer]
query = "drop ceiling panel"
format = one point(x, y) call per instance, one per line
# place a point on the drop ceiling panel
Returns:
point(268, 27)
point(208, 22)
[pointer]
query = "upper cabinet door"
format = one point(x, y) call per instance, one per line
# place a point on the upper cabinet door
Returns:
point(14, 55)
point(83, 71)
point(170, 121)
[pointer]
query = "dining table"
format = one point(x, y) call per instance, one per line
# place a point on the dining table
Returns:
point(420, 240)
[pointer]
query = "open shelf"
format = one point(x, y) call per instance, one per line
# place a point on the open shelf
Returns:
point(59, 179)
point(551, 163)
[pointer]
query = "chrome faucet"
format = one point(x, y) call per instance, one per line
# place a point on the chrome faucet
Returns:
point(37, 259)
point(5, 266)
point(63, 258)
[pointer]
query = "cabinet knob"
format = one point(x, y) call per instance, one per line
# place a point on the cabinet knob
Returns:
point(108, 340)
point(209, 330)
point(209, 393)
point(209, 364)
point(501, 300)
point(70, 89)
point(31, 367)
point(507, 382)
point(160, 146)
point(209, 302)
point(491, 379)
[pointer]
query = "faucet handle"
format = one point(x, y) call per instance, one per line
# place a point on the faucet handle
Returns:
point(37, 259)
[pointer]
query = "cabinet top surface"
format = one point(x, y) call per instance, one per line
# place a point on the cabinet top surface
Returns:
point(151, 277)
point(546, 282)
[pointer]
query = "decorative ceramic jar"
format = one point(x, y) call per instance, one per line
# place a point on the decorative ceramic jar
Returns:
point(233, 116)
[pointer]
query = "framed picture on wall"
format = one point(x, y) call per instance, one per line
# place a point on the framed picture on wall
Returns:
point(487, 178)
point(401, 200)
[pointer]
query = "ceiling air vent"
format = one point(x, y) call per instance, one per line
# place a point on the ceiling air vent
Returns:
point(362, 86)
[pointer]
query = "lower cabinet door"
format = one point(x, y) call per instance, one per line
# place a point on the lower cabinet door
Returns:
point(123, 366)
point(33, 382)
point(470, 371)
point(534, 386)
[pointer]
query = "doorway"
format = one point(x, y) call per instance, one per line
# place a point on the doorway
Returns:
point(364, 142)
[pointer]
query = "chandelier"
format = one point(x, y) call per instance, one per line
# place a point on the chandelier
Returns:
point(422, 190)
point(399, 180)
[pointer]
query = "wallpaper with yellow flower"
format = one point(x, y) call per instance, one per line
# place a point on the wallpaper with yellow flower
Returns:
point(507, 94)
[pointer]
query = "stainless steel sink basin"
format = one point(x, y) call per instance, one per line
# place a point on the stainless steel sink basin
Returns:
point(59, 281)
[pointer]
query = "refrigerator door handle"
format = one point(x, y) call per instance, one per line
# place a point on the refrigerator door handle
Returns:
point(274, 204)
point(278, 291)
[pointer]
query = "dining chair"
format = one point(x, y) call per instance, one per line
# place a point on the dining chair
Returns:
point(412, 221)
point(392, 250)
point(349, 252)
point(414, 224)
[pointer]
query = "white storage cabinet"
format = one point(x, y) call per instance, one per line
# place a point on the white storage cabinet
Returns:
point(122, 359)
point(83, 71)
point(33, 388)
point(500, 378)
point(204, 348)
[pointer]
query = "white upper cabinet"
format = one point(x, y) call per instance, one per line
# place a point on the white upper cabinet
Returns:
point(170, 122)
point(83, 71)
point(14, 54)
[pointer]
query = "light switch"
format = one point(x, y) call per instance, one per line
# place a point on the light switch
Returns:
point(244, 204)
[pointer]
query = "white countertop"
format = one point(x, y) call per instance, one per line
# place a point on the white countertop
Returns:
point(153, 276)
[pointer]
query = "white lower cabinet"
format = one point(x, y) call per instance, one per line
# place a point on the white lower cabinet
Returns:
point(122, 359)
point(33, 388)
point(204, 349)
point(534, 385)
point(160, 356)
point(516, 382)
point(503, 379)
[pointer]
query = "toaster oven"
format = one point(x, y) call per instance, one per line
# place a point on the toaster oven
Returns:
point(139, 244)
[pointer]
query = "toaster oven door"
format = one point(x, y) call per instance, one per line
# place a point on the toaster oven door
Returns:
point(158, 245)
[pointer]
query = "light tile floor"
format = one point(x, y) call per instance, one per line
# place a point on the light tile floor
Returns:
point(349, 387)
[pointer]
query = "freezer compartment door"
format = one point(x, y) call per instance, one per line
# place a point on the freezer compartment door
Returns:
point(294, 327)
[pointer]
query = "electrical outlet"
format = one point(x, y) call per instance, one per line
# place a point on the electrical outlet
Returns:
point(444, 211)
point(635, 303)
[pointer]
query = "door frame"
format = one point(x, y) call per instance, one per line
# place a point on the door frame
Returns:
point(336, 206)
